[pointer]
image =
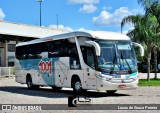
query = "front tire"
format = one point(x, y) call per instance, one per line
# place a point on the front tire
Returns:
point(77, 86)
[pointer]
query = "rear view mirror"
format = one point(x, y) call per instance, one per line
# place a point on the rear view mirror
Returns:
point(96, 46)
point(141, 48)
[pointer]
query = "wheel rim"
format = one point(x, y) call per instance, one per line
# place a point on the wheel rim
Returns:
point(78, 86)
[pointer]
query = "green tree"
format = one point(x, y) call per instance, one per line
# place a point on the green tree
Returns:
point(152, 7)
point(146, 28)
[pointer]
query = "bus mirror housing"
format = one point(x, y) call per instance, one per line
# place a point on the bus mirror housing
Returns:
point(141, 48)
point(96, 46)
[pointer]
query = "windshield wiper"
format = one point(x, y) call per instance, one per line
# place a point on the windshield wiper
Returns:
point(130, 70)
point(114, 59)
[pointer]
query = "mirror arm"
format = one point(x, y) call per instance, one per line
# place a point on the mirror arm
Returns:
point(96, 46)
point(141, 48)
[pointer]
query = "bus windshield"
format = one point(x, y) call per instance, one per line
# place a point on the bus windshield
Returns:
point(117, 56)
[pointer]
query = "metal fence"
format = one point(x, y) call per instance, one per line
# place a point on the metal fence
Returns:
point(7, 72)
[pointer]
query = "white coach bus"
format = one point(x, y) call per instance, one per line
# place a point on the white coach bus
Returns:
point(82, 60)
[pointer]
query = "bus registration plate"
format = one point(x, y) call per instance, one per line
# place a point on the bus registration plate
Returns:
point(117, 76)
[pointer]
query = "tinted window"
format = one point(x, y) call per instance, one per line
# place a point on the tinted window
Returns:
point(57, 48)
point(88, 56)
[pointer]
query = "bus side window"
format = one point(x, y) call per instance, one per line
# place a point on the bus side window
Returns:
point(73, 52)
point(88, 56)
point(62, 48)
point(53, 50)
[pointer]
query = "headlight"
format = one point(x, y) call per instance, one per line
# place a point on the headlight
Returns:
point(134, 77)
point(104, 77)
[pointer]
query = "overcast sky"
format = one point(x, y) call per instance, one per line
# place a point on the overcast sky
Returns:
point(72, 14)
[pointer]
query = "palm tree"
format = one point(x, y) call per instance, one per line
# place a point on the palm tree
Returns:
point(142, 32)
point(146, 28)
point(152, 7)
point(138, 21)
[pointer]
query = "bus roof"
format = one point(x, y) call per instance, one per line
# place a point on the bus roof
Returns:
point(105, 35)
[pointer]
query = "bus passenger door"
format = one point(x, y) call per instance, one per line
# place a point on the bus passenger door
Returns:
point(89, 78)
point(89, 68)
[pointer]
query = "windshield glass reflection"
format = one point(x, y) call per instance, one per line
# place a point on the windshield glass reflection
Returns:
point(117, 56)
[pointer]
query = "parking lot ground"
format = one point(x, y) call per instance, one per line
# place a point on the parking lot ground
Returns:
point(15, 93)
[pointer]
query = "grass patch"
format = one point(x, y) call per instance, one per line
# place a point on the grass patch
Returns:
point(152, 82)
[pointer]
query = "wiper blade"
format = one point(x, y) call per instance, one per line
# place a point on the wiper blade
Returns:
point(130, 70)
point(114, 59)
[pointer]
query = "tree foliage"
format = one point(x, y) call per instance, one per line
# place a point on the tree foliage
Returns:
point(146, 27)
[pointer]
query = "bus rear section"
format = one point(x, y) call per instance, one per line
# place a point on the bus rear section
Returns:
point(50, 63)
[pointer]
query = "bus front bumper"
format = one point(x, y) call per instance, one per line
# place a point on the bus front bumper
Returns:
point(110, 85)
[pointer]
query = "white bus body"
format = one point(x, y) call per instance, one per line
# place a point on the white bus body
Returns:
point(82, 60)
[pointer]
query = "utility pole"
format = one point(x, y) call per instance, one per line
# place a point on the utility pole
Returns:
point(40, 1)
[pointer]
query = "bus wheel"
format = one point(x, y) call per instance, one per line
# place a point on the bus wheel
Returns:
point(111, 91)
point(77, 86)
point(29, 82)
